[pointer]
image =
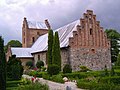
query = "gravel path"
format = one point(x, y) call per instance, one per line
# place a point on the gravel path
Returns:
point(56, 86)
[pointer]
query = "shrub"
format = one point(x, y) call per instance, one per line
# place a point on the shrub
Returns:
point(46, 76)
point(112, 72)
point(113, 79)
point(75, 75)
point(97, 86)
point(33, 73)
point(40, 74)
point(43, 68)
point(83, 69)
point(39, 64)
point(67, 69)
point(116, 67)
point(14, 68)
point(29, 64)
point(53, 69)
point(57, 78)
point(33, 86)
point(85, 85)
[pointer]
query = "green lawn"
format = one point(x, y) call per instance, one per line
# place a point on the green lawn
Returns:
point(13, 85)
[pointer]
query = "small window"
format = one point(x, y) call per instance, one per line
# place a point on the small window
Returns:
point(33, 39)
point(24, 40)
point(93, 50)
point(38, 33)
point(38, 57)
point(90, 31)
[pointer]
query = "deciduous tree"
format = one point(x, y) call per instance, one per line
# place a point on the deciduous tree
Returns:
point(114, 37)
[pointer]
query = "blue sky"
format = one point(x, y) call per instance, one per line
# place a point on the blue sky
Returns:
point(58, 12)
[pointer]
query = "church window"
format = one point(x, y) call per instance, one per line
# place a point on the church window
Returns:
point(38, 33)
point(90, 31)
point(24, 40)
point(33, 39)
point(38, 57)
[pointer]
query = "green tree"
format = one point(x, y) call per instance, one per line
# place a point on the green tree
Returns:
point(118, 60)
point(114, 37)
point(2, 66)
point(14, 68)
point(56, 56)
point(13, 43)
point(50, 44)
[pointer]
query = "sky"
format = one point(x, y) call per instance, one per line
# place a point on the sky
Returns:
point(58, 12)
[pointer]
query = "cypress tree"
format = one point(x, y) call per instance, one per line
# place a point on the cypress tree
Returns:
point(2, 66)
point(50, 44)
point(56, 56)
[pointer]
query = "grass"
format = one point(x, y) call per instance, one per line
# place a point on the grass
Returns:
point(21, 85)
point(13, 85)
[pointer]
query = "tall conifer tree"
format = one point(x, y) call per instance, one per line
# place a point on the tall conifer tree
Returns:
point(2, 66)
point(50, 44)
point(56, 56)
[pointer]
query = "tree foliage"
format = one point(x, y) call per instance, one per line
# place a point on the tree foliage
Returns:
point(14, 68)
point(29, 64)
point(40, 64)
point(56, 56)
point(50, 44)
point(67, 69)
point(53, 69)
point(118, 60)
point(2, 66)
point(114, 37)
point(13, 43)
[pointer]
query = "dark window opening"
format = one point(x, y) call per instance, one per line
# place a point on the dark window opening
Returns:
point(92, 64)
point(24, 40)
point(38, 33)
point(93, 50)
point(38, 57)
point(33, 39)
point(90, 31)
point(90, 20)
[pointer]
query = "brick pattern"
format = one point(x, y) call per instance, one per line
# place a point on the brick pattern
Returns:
point(30, 35)
point(89, 45)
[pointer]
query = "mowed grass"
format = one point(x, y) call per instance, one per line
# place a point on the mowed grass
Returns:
point(13, 85)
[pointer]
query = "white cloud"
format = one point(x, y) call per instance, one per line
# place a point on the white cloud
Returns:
point(59, 13)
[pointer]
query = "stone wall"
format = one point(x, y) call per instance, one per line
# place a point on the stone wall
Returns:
point(42, 56)
point(94, 59)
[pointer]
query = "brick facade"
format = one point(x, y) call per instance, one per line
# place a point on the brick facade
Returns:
point(30, 35)
point(89, 45)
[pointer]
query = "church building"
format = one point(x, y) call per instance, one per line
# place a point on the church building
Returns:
point(82, 42)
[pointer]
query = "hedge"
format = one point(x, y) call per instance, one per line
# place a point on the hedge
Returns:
point(113, 79)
